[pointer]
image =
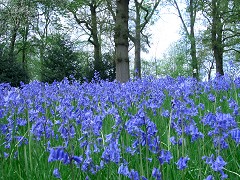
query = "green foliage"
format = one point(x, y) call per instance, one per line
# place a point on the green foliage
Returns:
point(108, 67)
point(11, 71)
point(60, 60)
point(175, 62)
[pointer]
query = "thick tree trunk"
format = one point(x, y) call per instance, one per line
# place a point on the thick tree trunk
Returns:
point(217, 43)
point(96, 43)
point(121, 41)
point(137, 43)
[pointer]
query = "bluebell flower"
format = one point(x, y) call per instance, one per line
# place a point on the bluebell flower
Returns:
point(130, 150)
point(21, 122)
point(56, 173)
point(209, 119)
point(201, 106)
point(7, 146)
point(77, 159)
point(6, 155)
point(193, 131)
point(173, 140)
point(165, 157)
point(220, 141)
point(165, 113)
point(182, 162)
point(210, 177)
point(235, 134)
point(112, 153)
point(180, 141)
point(58, 154)
point(87, 164)
point(216, 165)
point(133, 175)
point(151, 128)
point(123, 169)
point(209, 160)
point(156, 174)
point(223, 175)
point(21, 139)
point(72, 131)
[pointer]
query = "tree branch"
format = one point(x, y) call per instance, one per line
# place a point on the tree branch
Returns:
point(148, 15)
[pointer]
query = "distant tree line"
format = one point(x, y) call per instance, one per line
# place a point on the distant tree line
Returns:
point(48, 40)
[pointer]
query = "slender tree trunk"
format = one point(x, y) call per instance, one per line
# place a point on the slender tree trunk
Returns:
point(137, 42)
point(191, 36)
point(13, 41)
point(96, 43)
point(217, 43)
point(44, 36)
point(193, 51)
point(121, 41)
point(24, 49)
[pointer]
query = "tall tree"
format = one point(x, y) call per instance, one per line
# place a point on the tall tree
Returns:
point(223, 28)
point(192, 11)
point(91, 24)
point(121, 40)
point(144, 11)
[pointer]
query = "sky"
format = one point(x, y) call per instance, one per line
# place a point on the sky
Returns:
point(164, 32)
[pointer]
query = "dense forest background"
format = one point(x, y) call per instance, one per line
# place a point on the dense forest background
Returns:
point(48, 40)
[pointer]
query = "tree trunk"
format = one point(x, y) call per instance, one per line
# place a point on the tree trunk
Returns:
point(217, 43)
point(121, 41)
point(137, 42)
point(24, 48)
point(193, 52)
point(96, 44)
point(13, 41)
point(191, 35)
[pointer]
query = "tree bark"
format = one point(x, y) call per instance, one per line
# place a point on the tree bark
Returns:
point(193, 52)
point(137, 42)
point(121, 41)
point(217, 43)
point(13, 40)
point(95, 42)
point(24, 47)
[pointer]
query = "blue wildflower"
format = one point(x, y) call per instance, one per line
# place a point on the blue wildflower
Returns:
point(112, 153)
point(235, 134)
point(58, 154)
point(193, 131)
point(216, 165)
point(6, 155)
point(156, 174)
point(173, 140)
point(87, 163)
point(123, 169)
point(133, 175)
point(56, 173)
point(210, 177)
point(182, 162)
point(165, 156)
point(77, 159)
